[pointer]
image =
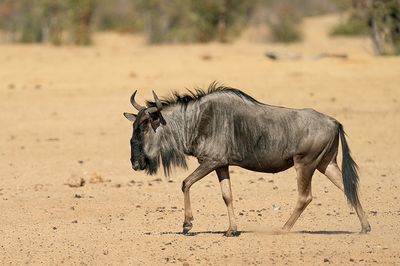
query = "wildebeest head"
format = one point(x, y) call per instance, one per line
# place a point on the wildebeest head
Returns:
point(145, 142)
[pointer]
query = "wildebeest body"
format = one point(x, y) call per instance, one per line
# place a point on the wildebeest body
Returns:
point(225, 126)
point(255, 136)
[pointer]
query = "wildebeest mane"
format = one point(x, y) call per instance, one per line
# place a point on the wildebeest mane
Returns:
point(172, 147)
point(197, 94)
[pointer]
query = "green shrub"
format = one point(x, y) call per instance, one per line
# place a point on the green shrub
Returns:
point(194, 21)
point(117, 15)
point(48, 20)
point(384, 16)
point(285, 27)
point(31, 26)
point(80, 17)
point(355, 25)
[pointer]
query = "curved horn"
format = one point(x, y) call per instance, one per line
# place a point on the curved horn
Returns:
point(135, 104)
point(157, 101)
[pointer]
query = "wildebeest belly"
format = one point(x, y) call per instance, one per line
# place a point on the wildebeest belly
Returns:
point(267, 164)
point(264, 152)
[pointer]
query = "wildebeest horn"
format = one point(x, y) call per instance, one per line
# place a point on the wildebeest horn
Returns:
point(157, 101)
point(135, 104)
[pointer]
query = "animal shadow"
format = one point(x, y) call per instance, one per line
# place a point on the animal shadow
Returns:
point(324, 232)
point(274, 232)
point(198, 233)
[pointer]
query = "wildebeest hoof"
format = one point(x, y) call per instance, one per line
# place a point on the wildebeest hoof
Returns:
point(186, 228)
point(232, 233)
point(365, 230)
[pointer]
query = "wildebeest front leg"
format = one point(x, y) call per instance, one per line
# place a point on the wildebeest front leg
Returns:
point(204, 169)
point(225, 182)
point(304, 175)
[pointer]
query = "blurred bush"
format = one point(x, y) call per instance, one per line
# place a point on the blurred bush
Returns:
point(54, 21)
point(80, 13)
point(378, 18)
point(285, 24)
point(356, 24)
point(118, 15)
point(73, 21)
point(194, 21)
point(384, 21)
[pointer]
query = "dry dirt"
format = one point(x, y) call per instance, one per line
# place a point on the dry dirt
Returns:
point(61, 118)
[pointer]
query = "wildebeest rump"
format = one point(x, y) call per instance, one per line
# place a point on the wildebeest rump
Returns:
point(224, 126)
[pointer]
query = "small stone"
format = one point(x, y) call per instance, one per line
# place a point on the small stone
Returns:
point(95, 178)
point(327, 260)
point(206, 57)
point(75, 181)
point(276, 207)
point(38, 187)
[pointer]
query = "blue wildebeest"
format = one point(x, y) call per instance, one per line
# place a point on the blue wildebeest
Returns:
point(225, 126)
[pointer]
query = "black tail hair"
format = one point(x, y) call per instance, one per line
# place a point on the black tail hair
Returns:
point(349, 171)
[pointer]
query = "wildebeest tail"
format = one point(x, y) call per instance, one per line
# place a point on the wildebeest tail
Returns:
point(349, 170)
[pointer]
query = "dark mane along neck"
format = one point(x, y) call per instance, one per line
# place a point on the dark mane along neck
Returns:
point(172, 144)
point(197, 94)
point(182, 117)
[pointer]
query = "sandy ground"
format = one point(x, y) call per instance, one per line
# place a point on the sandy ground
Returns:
point(61, 116)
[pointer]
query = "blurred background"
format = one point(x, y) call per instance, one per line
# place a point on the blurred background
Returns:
point(68, 194)
point(61, 22)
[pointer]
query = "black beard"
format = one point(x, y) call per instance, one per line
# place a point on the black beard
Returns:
point(152, 166)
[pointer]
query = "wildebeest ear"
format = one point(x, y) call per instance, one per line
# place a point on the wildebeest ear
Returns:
point(130, 117)
point(162, 120)
point(155, 124)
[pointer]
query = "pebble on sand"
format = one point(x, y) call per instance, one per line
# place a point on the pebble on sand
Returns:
point(75, 181)
point(96, 178)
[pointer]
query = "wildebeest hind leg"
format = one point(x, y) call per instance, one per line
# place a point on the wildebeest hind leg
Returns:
point(304, 176)
point(204, 169)
point(225, 182)
point(334, 174)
